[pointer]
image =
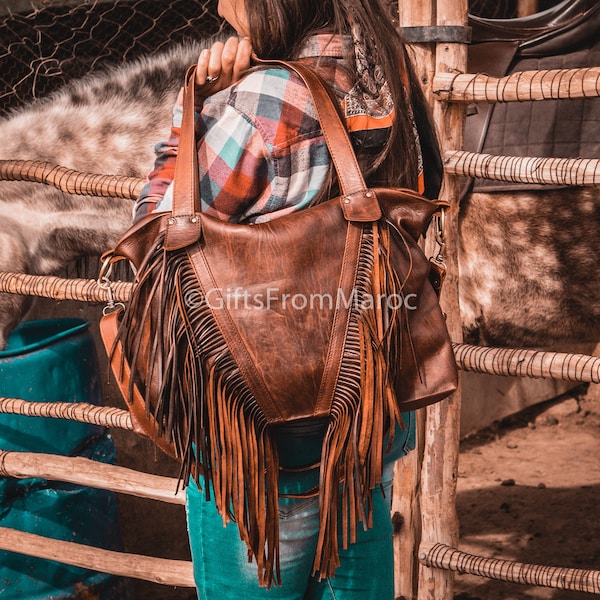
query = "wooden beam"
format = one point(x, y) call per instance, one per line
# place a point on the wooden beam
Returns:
point(525, 169)
point(87, 472)
point(445, 557)
point(158, 570)
point(83, 412)
point(523, 86)
point(406, 502)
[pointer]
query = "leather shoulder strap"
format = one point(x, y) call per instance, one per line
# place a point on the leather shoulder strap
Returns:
point(184, 226)
point(332, 125)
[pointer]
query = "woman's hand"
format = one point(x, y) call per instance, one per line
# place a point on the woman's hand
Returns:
point(222, 65)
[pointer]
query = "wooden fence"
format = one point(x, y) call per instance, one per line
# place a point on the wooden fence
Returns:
point(426, 480)
point(427, 553)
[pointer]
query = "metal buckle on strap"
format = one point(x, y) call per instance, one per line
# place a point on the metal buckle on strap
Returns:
point(105, 283)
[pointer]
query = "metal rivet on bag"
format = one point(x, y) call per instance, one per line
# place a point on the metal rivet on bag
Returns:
point(194, 219)
point(171, 221)
point(369, 194)
point(346, 200)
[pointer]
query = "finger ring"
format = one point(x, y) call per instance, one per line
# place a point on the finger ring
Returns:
point(211, 78)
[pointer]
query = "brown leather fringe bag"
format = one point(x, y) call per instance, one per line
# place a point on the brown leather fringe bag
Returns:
point(325, 313)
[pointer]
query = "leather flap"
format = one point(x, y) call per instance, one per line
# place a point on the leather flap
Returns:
point(182, 231)
point(361, 206)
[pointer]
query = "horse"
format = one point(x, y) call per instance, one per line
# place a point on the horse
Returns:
point(106, 122)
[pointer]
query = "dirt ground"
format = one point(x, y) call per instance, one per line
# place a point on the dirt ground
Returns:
point(529, 490)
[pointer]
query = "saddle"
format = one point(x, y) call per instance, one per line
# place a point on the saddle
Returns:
point(552, 31)
point(562, 37)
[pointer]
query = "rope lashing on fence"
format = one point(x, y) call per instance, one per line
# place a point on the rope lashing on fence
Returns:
point(87, 472)
point(82, 412)
point(84, 290)
point(496, 361)
point(548, 84)
point(70, 181)
point(518, 362)
point(524, 169)
point(178, 573)
point(445, 557)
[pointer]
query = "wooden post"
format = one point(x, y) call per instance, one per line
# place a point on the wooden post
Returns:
point(434, 494)
point(407, 521)
point(440, 454)
point(406, 504)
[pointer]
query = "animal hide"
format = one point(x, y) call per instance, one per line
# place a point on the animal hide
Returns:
point(103, 123)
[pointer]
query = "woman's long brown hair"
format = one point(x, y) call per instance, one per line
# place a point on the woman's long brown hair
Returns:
point(278, 28)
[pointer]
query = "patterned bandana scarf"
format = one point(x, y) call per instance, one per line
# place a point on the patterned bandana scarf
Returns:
point(371, 93)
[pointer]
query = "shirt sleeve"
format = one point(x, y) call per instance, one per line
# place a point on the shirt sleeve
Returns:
point(161, 176)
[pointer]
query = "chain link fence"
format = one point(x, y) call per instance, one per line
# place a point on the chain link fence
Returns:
point(44, 43)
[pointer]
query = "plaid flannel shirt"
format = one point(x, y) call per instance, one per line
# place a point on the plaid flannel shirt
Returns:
point(261, 151)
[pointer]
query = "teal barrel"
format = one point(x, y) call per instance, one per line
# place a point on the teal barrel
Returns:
point(55, 360)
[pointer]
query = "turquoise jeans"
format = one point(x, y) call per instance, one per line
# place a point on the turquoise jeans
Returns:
point(221, 567)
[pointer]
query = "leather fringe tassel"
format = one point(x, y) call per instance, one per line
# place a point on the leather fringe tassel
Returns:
point(364, 407)
point(203, 405)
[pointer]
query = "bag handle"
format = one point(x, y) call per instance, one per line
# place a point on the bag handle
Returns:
point(358, 203)
point(183, 226)
point(333, 127)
